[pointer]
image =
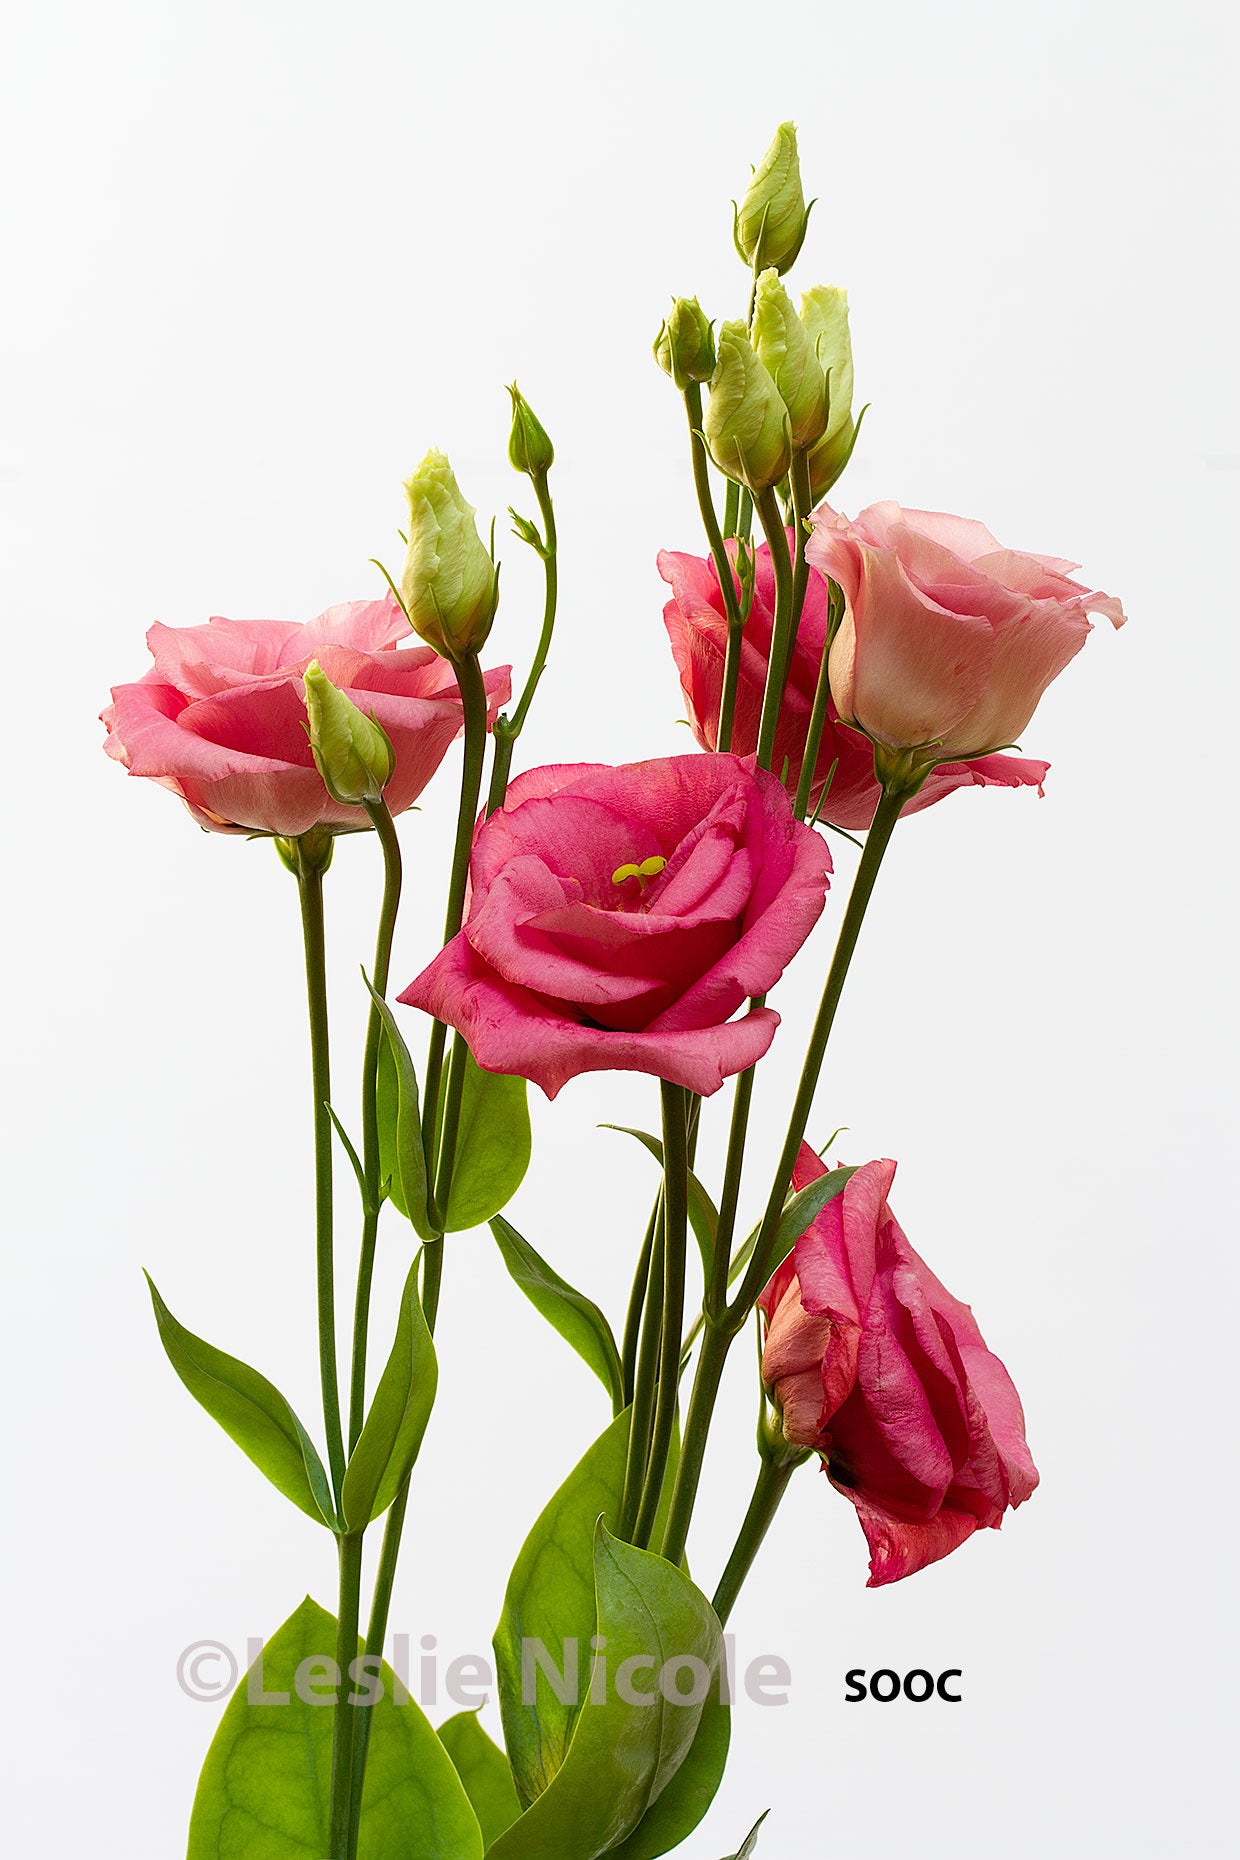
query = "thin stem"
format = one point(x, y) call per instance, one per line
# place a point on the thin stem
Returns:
point(345, 1717)
point(449, 1124)
point(384, 826)
point(724, 572)
point(706, 1379)
point(768, 1494)
point(641, 1419)
point(782, 634)
point(310, 888)
point(813, 735)
point(730, 1196)
point(508, 729)
point(675, 1225)
point(637, 1304)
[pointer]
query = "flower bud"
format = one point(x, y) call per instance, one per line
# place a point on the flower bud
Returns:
point(449, 585)
point(352, 752)
point(786, 350)
point(769, 224)
point(529, 448)
point(746, 422)
point(685, 345)
point(824, 312)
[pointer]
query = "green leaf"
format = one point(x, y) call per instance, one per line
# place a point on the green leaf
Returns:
point(251, 1411)
point(392, 1434)
point(402, 1160)
point(703, 1214)
point(576, 1317)
point(550, 1602)
point(625, 1751)
point(750, 1844)
point(483, 1769)
point(265, 1786)
point(492, 1147)
point(670, 1820)
point(805, 1206)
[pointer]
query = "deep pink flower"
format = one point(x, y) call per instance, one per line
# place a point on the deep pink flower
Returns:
point(573, 959)
point(876, 1366)
point(220, 717)
point(696, 626)
point(948, 638)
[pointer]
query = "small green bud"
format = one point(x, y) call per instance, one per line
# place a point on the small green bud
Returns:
point(685, 345)
point(769, 225)
point(529, 448)
point(449, 585)
point(824, 312)
point(308, 852)
point(786, 350)
point(746, 422)
point(352, 752)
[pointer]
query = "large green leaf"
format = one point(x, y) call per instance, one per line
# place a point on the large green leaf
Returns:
point(625, 1751)
point(703, 1214)
point(402, 1160)
point(550, 1602)
point(483, 1769)
point(576, 1317)
point(251, 1411)
point(492, 1146)
point(389, 1442)
point(690, 1792)
point(265, 1786)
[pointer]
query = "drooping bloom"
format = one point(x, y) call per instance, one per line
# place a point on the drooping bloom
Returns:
point(220, 719)
point(619, 918)
point(875, 1365)
point(698, 631)
point(948, 639)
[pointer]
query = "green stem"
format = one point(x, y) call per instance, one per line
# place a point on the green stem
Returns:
point(675, 1249)
point(724, 572)
point(641, 1419)
point(711, 1359)
point(310, 888)
point(782, 632)
point(813, 734)
point(345, 1715)
point(449, 1125)
point(508, 729)
point(768, 1494)
point(637, 1304)
point(384, 826)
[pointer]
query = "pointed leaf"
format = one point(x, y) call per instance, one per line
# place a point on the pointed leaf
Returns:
point(492, 1147)
point(483, 1769)
point(750, 1845)
point(803, 1207)
point(625, 1751)
point(389, 1441)
point(703, 1214)
point(251, 1411)
point(402, 1160)
point(576, 1317)
point(266, 1783)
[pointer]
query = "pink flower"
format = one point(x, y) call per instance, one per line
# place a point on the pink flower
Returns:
point(887, 1376)
point(220, 717)
point(620, 916)
point(948, 639)
point(697, 628)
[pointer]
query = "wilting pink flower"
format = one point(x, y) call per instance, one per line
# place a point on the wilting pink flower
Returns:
point(619, 917)
point(697, 628)
point(948, 638)
point(876, 1366)
point(220, 717)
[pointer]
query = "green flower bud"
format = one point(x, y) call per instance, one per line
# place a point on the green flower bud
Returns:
point(786, 350)
point(685, 345)
point(769, 225)
point(352, 752)
point(824, 312)
point(449, 585)
point(529, 448)
point(746, 422)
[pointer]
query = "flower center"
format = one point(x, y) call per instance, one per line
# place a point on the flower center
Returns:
point(648, 869)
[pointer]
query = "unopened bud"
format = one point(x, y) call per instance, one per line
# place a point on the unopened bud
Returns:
point(770, 222)
point(529, 448)
point(746, 422)
point(685, 345)
point(824, 313)
point(449, 585)
point(351, 752)
point(786, 350)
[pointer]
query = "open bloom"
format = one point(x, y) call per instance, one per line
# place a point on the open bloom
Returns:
point(948, 639)
point(698, 631)
point(619, 917)
point(876, 1366)
point(220, 718)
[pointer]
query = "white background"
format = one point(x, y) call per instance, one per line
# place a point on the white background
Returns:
point(261, 256)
